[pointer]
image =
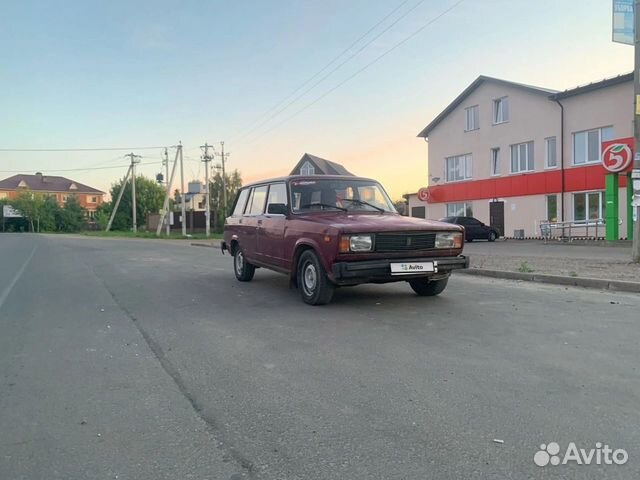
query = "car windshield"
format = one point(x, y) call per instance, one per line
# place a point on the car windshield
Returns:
point(339, 195)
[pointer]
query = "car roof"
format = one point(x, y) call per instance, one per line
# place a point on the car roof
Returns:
point(307, 177)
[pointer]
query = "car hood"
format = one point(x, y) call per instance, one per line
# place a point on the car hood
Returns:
point(372, 222)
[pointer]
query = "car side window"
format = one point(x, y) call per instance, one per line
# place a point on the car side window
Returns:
point(257, 201)
point(240, 203)
point(277, 194)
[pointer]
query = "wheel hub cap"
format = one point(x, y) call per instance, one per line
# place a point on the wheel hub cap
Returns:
point(310, 278)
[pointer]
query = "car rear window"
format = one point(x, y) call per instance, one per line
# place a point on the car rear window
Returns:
point(240, 203)
point(257, 200)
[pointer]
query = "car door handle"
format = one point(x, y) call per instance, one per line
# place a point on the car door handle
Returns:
point(259, 222)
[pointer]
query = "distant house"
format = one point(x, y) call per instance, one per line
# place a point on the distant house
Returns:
point(195, 198)
point(59, 188)
point(312, 165)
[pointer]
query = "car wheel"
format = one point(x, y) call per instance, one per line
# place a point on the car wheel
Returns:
point(428, 288)
point(492, 236)
point(244, 270)
point(315, 287)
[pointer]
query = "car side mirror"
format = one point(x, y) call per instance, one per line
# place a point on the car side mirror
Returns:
point(277, 209)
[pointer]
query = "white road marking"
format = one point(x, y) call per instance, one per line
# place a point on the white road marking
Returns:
point(7, 291)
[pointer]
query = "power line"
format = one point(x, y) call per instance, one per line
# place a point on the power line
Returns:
point(358, 72)
point(253, 128)
point(337, 67)
point(86, 169)
point(91, 149)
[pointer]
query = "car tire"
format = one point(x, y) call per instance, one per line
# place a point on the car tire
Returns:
point(244, 270)
point(492, 236)
point(428, 288)
point(315, 288)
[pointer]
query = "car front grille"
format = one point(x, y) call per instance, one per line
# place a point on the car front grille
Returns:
point(404, 242)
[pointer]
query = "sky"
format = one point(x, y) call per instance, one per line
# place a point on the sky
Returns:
point(88, 74)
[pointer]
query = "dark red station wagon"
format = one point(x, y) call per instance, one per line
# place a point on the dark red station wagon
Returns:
point(329, 231)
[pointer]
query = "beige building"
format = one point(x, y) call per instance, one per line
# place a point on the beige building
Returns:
point(513, 155)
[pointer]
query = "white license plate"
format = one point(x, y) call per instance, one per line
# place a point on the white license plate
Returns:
point(412, 268)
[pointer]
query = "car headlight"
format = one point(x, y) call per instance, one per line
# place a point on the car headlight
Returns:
point(356, 243)
point(449, 240)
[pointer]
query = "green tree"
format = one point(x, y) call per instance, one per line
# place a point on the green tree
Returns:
point(72, 217)
point(32, 206)
point(149, 199)
point(102, 215)
point(234, 182)
point(50, 209)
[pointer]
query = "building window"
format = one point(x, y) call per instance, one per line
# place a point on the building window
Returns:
point(93, 199)
point(419, 212)
point(495, 161)
point(587, 144)
point(588, 206)
point(472, 118)
point(307, 169)
point(463, 209)
point(552, 208)
point(3, 195)
point(522, 157)
point(501, 110)
point(550, 159)
point(459, 167)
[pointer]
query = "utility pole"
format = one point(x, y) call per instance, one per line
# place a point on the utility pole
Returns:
point(115, 207)
point(135, 159)
point(223, 157)
point(635, 174)
point(206, 158)
point(165, 162)
point(182, 194)
point(165, 207)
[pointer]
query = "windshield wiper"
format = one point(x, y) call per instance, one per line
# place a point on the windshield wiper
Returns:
point(309, 205)
point(362, 202)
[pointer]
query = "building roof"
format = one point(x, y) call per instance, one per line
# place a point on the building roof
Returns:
point(607, 82)
point(474, 85)
point(45, 183)
point(326, 166)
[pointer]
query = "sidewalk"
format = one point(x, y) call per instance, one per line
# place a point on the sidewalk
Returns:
point(554, 258)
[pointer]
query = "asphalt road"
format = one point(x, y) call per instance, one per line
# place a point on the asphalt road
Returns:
point(135, 359)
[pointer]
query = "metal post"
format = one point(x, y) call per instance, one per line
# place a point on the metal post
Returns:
point(635, 249)
point(115, 207)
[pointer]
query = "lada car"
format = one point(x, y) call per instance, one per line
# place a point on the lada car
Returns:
point(332, 231)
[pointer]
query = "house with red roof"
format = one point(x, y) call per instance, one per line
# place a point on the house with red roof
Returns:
point(59, 188)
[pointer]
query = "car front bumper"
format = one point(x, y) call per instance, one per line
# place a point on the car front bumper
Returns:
point(379, 271)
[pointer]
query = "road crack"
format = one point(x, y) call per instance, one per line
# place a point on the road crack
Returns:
point(170, 369)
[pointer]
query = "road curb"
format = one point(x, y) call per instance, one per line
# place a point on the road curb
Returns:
point(207, 245)
point(601, 284)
